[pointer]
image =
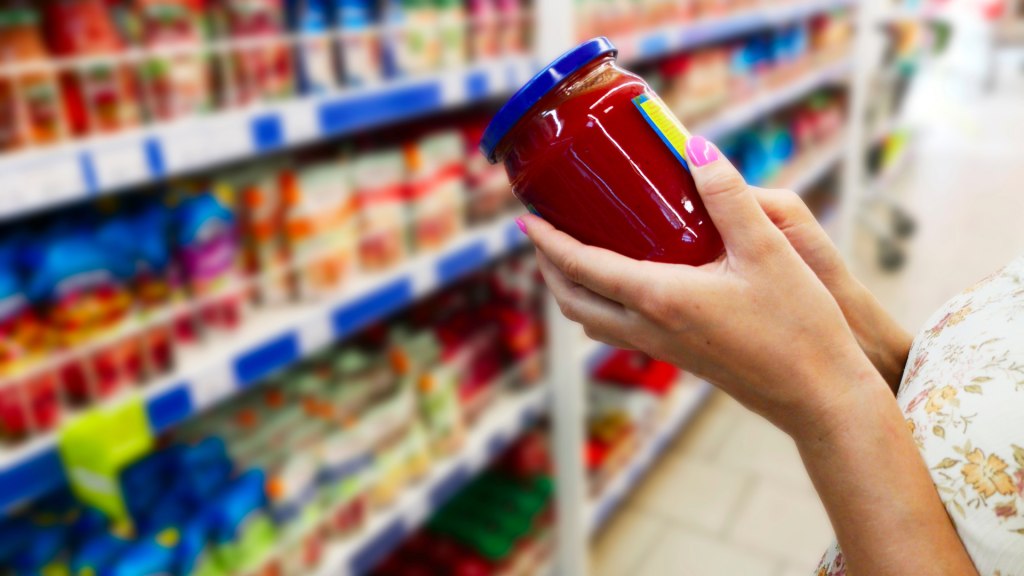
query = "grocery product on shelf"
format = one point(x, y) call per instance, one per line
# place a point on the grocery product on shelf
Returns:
point(594, 170)
point(77, 68)
point(627, 398)
point(314, 51)
point(436, 188)
point(99, 91)
point(498, 525)
point(176, 83)
point(320, 224)
point(379, 179)
point(31, 111)
point(359, 48)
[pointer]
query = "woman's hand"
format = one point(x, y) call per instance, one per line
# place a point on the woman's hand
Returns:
point(761, 325)
point(884, 341)
point(758, 322)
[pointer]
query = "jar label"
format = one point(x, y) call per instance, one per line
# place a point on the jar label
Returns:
point(664, 122)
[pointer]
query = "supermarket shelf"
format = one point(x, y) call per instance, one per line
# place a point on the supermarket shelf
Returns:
point(675, 38)
point(270, 340)
point(806, 172)
point(36, 179)
point(385, 530)
point(689, 400)
point(736, 117)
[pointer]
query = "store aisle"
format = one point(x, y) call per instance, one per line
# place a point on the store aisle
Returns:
point(731, 496)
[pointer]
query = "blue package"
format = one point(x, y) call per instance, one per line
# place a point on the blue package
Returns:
point(89, 523)
point(192, 545)
point(196, 217)
point(171, 509)
point(14, 534)
point(42, 546)
point(145, 481)
point(234, 503)
point(94, 554)
point(149, 556)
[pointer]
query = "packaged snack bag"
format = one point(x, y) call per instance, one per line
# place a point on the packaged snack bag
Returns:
point(320, 225)
point(176, 83)
point(240, 530)
point(380, 191)
point(207, 248)
point(260, 191)
point(83, 294)
point(28, 395)
point(484, 27)
point(263, 67)
point(488, 192)
point(30, 105)
point(437, 191)
point(315, 68)
point(99, 93)
point(412, 41)
point(360, 44)
point(142, 240)
point(452, 34)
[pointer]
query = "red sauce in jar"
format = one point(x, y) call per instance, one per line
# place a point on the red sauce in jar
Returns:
point(586, 159)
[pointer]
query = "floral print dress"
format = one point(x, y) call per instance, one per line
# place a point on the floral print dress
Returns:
point(963, 396)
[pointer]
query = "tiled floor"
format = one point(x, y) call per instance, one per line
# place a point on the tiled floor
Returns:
point(731, 496)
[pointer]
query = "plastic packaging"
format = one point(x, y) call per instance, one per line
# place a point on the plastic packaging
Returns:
point(601, 157)
point(30, 104)
point(380, 188)
point(173, 84)
point(99, 94)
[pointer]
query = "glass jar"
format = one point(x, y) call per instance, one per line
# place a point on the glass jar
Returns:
point(591, 148)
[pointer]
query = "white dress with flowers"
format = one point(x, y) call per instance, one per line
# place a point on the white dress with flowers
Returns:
point(963, 396)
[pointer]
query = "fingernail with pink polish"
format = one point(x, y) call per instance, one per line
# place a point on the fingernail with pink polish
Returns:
point(521, 224)
point(700, 152)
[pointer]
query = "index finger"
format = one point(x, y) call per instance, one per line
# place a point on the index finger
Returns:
point(632, 283)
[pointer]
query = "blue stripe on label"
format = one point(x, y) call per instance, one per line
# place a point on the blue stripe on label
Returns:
point(31, 479)
point(462, 262)
point(476, 86)
point(375, 109)
point(449, 487)
point(169, 408)
point(372, 307)
point(644, 98)
point(266, 359)
point(92, 183)
point(367, 559)
point(267, 132)
point(155, 158)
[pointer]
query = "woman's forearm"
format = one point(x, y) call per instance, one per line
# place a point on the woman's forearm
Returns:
point(881, 338)
point(878, 493)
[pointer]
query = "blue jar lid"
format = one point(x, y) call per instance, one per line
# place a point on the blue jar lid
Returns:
point(538, 87)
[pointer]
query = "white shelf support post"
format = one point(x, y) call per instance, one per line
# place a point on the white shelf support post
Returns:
point(567, 413)
point(853, 164)
point(555, 34)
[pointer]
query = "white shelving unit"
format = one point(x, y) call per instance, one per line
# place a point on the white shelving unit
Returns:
point(37, 180)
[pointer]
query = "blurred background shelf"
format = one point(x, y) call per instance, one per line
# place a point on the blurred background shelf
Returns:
point(689, 398)
point(772, 100)
point(678, 38)
point(37, 179)
point(274, 339)
point(386, 530)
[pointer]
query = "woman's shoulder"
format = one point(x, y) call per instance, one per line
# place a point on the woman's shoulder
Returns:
point(963, 397)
